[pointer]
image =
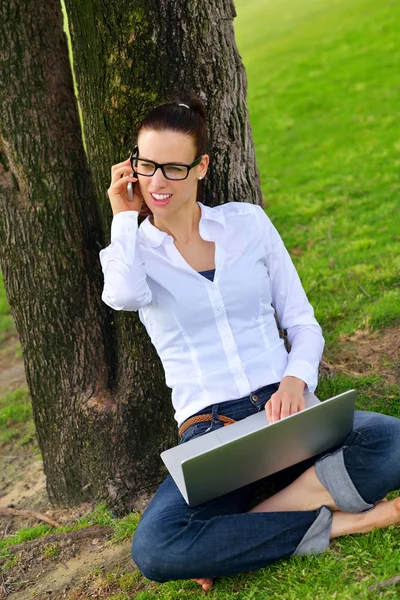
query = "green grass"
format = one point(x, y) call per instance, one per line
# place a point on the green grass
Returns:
point(324, 80)
point(123, 530)
point(16, 421)
point(344, 572)
point(6, 321)
point(101, 515)
point(347, 568)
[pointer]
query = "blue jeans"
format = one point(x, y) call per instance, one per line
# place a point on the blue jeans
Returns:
point(219, 537)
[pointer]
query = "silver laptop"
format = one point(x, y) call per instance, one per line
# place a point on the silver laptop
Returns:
point(228, 458)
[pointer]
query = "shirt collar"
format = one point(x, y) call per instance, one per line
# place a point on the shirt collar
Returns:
point(154, 237)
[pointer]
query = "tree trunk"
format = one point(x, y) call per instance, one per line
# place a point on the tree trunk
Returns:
point(102, 410)
point(97, 440)
point(129, 57)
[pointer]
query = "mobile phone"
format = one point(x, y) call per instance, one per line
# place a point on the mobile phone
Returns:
point(132, 157)
point(130, 191)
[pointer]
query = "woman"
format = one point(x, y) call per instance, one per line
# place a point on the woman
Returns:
point(206, 282)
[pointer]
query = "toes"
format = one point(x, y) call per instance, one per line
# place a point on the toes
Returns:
point(206, 583)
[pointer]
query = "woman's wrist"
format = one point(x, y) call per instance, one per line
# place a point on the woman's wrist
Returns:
point(292, 384)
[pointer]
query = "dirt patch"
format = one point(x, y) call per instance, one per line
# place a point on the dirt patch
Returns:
point(12, 378)
point(27, 482)
point(65, 568)
point(38, 575)
point(366, 352)
point(23, 486)
point(57, 565)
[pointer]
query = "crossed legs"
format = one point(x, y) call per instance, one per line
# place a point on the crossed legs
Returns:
point(342, 493)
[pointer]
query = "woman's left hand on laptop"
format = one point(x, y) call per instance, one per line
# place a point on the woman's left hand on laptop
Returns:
point(288, 400)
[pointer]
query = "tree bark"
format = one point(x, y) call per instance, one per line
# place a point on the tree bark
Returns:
point(129, 57)
point(102, 410)
point(97, 439)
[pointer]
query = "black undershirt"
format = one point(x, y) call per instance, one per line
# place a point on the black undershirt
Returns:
point(208, 274)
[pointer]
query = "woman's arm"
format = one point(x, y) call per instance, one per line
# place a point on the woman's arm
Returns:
point(296, 315)
point(125, 284)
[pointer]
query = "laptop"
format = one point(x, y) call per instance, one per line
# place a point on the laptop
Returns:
point(230, 457)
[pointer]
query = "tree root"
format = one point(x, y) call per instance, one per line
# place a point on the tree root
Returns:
point(16, 512)
point(92, 532)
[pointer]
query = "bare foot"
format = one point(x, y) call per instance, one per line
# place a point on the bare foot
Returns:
point(206, 582)
point(385, 513)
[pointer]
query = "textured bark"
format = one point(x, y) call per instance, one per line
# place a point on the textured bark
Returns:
point(101, 407)
point(97, 439)
point(48, 230)
point(131, 56)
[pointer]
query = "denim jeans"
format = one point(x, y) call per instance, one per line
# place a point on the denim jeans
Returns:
point(219, 537)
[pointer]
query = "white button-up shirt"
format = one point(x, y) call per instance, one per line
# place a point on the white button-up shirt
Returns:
point(217, 340)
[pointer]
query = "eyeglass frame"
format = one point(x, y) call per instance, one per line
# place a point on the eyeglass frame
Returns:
point(134, 156)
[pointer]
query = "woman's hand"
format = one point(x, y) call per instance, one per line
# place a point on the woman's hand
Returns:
point(121, 175)
point(288, 400)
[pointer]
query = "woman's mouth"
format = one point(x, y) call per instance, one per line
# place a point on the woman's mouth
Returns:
point(161, 199)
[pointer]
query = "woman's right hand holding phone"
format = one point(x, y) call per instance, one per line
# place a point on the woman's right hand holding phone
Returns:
point(121, 175)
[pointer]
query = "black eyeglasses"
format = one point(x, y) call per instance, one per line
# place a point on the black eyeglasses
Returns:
point(147, 168)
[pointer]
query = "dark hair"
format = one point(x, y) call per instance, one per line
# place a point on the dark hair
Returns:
point(191, 121)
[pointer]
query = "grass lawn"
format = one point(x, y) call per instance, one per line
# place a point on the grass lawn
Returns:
point(323, 95)
point(324, 85)
point(7, 326)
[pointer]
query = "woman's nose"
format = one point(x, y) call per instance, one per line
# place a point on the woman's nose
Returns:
point(158, 178)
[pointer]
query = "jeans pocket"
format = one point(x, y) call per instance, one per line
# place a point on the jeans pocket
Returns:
point(265, 395)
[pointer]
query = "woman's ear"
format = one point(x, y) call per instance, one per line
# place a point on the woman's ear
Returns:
point(203, 166)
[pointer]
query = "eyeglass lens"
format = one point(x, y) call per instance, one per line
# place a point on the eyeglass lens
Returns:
point(171, 171)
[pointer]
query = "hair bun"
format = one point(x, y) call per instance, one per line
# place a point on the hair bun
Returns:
point(193, 102)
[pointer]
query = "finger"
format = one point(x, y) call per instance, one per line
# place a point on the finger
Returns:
point(296, 406)
point(268, 411)
point(123, 182)
point(121, 172)
point(285, 409)
point(268, 408)
point(127, 161)
point(121, 186)
point(276, 410)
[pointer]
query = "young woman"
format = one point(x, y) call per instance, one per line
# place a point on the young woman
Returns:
point(206, 282)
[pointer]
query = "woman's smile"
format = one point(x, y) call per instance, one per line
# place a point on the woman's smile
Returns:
point(161, 199)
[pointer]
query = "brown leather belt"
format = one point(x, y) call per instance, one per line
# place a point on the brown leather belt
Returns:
point(203, 419)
